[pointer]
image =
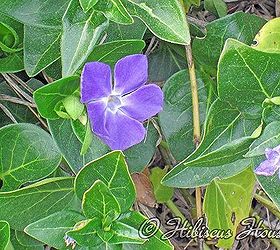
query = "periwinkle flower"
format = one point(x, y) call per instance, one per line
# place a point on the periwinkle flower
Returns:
point(271, 164)
point(117, 111)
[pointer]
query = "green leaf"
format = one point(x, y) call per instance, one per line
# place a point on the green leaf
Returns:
point(140, 155)
point(50, 95)
point(124, 233)
point(268, 38)
point(217, 7)
point(29, 204)
point(135, 219)
point(87, 140)
point(41, 47)
point(85, 233)
point(162, 193)
point(112, 170)
point(270, 138)
point(12, 63)
point(70, 146)
point(270, 185)
point(255, 83)
point(81, 31)
point(178, 107)
point(116, 32)
point(99, 202)
point(16, 244)
point(227, 137)
point(26, 240)
point(42, 32)
point(114, 10)
point(227, 202)
point(87, 4)
point(4, 234)
point(170, 57)
point(241, 26)
point(51, 229)
point(28, 154)
point(165, 18)
point(111, 52)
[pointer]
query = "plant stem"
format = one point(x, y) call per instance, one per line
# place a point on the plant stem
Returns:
point(267, 203)
point(171, 205)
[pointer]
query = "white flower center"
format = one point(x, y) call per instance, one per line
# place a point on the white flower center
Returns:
point(114, 103)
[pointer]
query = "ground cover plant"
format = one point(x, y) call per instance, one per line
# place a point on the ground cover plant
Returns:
point(136, 124)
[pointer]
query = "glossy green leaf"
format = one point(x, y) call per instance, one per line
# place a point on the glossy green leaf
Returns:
point(85, 233)
point(50, 95)
point(162, 193)
point(176, 118)
point(51, 229)
point(116, 31)
point(270, 185)
point(227, 137)
point(4, 234)
point(268, 38)
point(227, 202)
point(165, 61)
point(140, 155)
point(41, 47)
point(99, 202)
point(87, 139)
point(28, 154)
point(111, 52)
point(73, 106)
point(12, 63)
point(241, 26)
point(29, 204)
point(165, 18)
point(112, 170)
point(125, 234)
point(81, 31)
point(87, 4)
point(269, 139)
point(217, 7)
point(114, 10)
point(26, 240)
point(137, 156)
point(42, 32)
point(135, 219)
point(16, 244)
point(70, 146)
point(254, 83)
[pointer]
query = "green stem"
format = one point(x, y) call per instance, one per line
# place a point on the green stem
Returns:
point(267, 203)
point(172, 206)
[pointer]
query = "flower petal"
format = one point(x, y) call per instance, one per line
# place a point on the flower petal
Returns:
point(266, 168)
point(96, 81)
point(131, 72)
point(123, 131)
point(96, 113)
point(143, 103)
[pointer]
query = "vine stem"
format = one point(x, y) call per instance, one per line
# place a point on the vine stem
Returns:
point(171, 205)
point(196, 116)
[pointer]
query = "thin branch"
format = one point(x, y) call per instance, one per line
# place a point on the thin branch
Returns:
point(16, 100)
point(8, 113)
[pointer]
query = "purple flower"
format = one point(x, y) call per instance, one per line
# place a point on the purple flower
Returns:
point(271, 164)
point(116, 111)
